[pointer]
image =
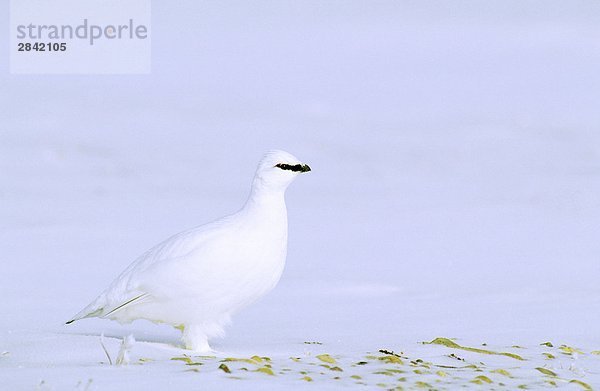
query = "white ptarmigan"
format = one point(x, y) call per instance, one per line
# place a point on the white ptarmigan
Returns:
point(197, 279)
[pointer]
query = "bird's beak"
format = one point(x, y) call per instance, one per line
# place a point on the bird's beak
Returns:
point(305, 168)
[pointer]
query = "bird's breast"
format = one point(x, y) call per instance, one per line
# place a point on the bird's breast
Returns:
point(234, 270)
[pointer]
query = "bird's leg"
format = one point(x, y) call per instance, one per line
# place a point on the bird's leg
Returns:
point(194, 338)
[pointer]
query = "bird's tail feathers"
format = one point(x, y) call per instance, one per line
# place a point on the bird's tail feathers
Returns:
point(85, 313)
point(100, 309)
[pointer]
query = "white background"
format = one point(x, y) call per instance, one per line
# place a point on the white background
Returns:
point(455, 190)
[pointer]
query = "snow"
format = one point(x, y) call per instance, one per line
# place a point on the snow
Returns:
point(455, 150)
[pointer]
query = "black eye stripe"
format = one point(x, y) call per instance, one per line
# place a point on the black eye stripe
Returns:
point(295, 167)
point(283, 166)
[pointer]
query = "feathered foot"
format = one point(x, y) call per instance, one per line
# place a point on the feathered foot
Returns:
point(194, 338)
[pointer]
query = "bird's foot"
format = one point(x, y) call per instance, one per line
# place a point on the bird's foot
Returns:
point(196, 340)
point(201, 347)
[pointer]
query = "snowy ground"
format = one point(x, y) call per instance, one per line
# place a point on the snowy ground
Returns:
point(455, 193)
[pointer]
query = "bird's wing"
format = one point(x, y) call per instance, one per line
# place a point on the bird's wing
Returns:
point(128, 289)
point(134, 300)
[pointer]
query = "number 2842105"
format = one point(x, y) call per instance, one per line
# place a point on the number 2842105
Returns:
point(41, 47)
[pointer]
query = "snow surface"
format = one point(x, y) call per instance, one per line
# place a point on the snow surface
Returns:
point(455, 192)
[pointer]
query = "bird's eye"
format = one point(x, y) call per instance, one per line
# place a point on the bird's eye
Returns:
point(284, 166)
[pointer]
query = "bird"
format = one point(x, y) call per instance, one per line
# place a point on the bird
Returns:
point(197, 279)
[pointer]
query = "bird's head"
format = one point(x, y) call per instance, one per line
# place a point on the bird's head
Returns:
point(278, 169)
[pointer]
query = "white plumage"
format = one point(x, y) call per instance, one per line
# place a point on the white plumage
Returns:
point(198, 278)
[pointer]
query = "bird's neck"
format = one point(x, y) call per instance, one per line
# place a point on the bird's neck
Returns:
point(267, 204)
